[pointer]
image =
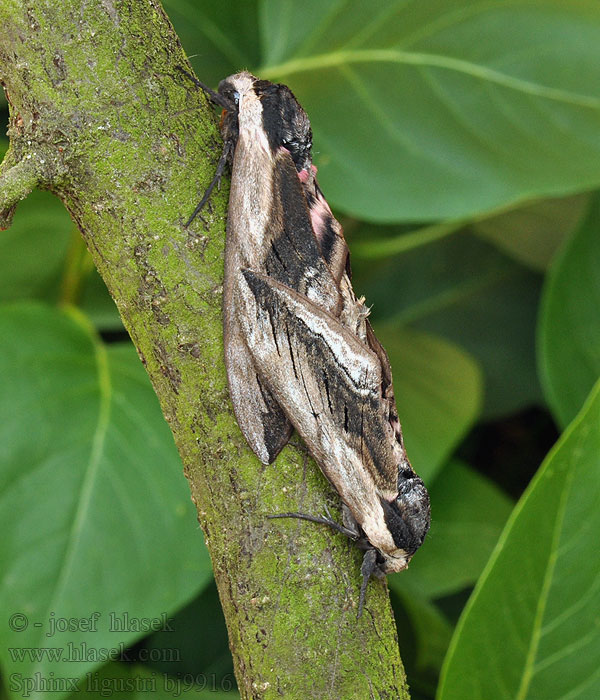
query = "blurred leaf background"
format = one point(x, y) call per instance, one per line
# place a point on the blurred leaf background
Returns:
point(459, 143)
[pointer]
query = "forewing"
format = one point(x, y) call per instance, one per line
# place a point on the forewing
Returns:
point(261, 420)
point(278, 240)
point(293, 254)
point(327, 229)
point(328, 383)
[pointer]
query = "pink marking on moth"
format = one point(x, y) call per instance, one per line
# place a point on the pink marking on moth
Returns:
point(303, 175)
point(320, 214)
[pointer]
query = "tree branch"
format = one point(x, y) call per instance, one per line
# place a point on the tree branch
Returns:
point(128, 145)
point(15, 184)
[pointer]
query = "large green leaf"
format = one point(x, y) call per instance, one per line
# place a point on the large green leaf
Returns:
point(435, 109)
point(35, 254)
point(95, 513)
point(532, 234)
point(221, 37)
point(205, 655)
point(98, 305)
point(429, 110)
point(465, 290)
point(423, 639)
point(531, 627)
point(438, 392)
point(33, 249)
point(468, 513)
point(569, 331)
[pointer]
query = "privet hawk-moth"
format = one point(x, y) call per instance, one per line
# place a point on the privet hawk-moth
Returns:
point(299, 350)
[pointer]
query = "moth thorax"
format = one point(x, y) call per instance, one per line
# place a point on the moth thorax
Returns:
point(242, 83)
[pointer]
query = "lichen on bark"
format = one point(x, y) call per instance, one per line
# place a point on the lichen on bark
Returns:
point(100, 115)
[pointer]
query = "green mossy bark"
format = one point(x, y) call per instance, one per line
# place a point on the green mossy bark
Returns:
point(101, 116)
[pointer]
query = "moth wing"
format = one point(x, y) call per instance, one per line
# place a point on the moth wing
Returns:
point(327, 230)
point(261, 420)
point(286, 248)
point(329, 384)
point(387, 387)
point(293, 254)
point(330, 236)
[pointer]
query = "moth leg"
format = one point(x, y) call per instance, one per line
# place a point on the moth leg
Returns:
point(368, 568)
point(349, 521)
point(215, 181)
point(370, 564)
point(317, 519)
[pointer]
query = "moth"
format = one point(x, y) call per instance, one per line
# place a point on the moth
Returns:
point(299, 349)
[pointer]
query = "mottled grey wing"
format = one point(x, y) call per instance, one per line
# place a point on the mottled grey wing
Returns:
point(329, 385)
point(263, 423)
point(289, 253)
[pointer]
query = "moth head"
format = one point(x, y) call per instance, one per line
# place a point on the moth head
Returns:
point(233, 89)
point(231, 95)
point(393, 563)
point(282, 119)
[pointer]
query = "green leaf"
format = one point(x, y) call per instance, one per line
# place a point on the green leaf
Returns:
point(424, 111)
point(432, 633)
point(98, 305)
point(400, 238)
point(531, 627)
point(199, 635)
point(468, 513)
point(33, 256)
point(220, 37)
point(433, 110)
point(465, 290)
point(95, 513)
point(569, 329)
point(438, 393)
point(533, 233)
point(33, 253)
point(33, 249)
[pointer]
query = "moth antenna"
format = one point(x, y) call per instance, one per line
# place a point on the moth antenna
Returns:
point(216, 179)
point(213, 95)
point(368, 567)
point(316, 519)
